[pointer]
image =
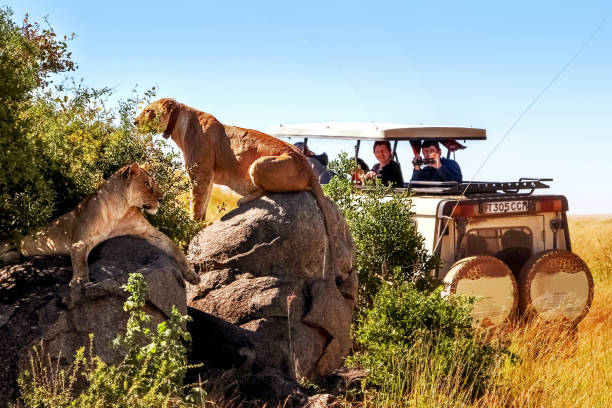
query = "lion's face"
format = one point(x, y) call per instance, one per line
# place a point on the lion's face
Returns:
point(156, 115)
point(142, 189)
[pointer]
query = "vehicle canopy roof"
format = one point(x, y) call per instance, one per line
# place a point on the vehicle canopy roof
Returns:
point(376, 131)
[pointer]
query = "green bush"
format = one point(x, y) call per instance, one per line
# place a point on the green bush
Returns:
point(28, 55)
point(151, 374)
point(388, 247)
point(80, 142)
point(406, 326)
point(414, 341)
point(60, 141)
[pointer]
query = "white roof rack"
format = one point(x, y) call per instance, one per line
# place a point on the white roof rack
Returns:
point(376, 131)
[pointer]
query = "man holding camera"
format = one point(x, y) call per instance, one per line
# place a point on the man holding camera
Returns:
point(436, 168)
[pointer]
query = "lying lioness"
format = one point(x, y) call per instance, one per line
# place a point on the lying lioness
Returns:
point(249, 162)
point(113, 210)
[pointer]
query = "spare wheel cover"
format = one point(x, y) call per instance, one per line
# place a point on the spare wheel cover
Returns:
point(555, 285)
point(489, 279)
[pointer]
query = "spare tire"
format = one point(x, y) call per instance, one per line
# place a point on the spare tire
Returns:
point(489, 280)
point(555, 285)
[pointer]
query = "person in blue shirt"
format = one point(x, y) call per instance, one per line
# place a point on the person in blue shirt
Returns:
point(440, 169)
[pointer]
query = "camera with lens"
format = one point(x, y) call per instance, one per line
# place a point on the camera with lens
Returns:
point(419, 161)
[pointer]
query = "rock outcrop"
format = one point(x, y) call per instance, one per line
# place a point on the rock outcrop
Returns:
point(37, 308)
point(262, 269)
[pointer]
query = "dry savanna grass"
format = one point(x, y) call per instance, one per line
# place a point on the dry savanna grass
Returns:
point(222, 201)
point(559, 368)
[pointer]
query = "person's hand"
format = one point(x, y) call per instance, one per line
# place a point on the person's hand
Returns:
point(433, 155)
point(416, 160)
point(370, 174)
point(437, 162)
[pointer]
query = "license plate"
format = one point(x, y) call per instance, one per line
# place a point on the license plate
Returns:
point(503, 207)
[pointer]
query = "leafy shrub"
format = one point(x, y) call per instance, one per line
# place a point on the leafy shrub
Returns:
point(80, 142)
point(60, 141)
point(407, 334)
point(406, 325)
point(387, 245)
point(151, 374)
point(28, 55)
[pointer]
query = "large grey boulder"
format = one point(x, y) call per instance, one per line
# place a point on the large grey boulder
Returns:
point(262, 269)
point(37, 308)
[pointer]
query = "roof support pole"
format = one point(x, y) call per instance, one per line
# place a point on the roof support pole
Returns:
point(394, 155)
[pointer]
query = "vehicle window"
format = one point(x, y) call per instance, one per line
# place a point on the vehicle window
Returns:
point(490, 241)
point(513, 245)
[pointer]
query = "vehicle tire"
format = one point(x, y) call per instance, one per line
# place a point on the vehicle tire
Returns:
point(492, 281)
point(555, 285)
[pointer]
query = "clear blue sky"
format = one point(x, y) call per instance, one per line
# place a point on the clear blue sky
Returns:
point(257, 64)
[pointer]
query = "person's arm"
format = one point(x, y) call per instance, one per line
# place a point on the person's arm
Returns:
point(417, 175)
point(450, 171)
point(374, 172)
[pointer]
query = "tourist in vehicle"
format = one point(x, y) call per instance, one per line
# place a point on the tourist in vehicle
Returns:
point(318, 162)
point(440, 169)
point(387, 170)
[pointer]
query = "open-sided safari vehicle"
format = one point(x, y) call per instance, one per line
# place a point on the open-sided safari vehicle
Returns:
point(498, 241)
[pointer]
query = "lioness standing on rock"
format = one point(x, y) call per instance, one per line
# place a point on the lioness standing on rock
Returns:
point(249, 162)
point(113, 210)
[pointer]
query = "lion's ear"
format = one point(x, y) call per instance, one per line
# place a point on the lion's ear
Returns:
point(169, 105)
point(131, 170)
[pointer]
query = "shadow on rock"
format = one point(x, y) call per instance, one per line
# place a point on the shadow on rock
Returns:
point(37, 307)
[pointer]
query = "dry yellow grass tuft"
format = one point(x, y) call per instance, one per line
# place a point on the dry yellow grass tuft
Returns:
point(558, 368)
point(592, 240)
point(222, 201)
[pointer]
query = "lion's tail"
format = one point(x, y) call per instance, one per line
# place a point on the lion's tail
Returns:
point(326, 210)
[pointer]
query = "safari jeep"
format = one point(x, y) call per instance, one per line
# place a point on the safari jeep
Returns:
point(498, 241)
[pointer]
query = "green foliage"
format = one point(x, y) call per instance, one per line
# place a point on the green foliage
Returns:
point(151, 374)
point(161, 364)
point(28, 55)
point(408, 335)
point(406, 326)
point(59, 142)
point(387, 245)
point(80, 142)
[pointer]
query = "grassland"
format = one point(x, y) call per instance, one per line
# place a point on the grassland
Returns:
point(559, 369)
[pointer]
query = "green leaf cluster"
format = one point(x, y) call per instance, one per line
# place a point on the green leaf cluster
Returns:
point(151, 374)
point(28, 56)
point(60, 141)
point(407, 334)
point(407, 331)
point(388, 247)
